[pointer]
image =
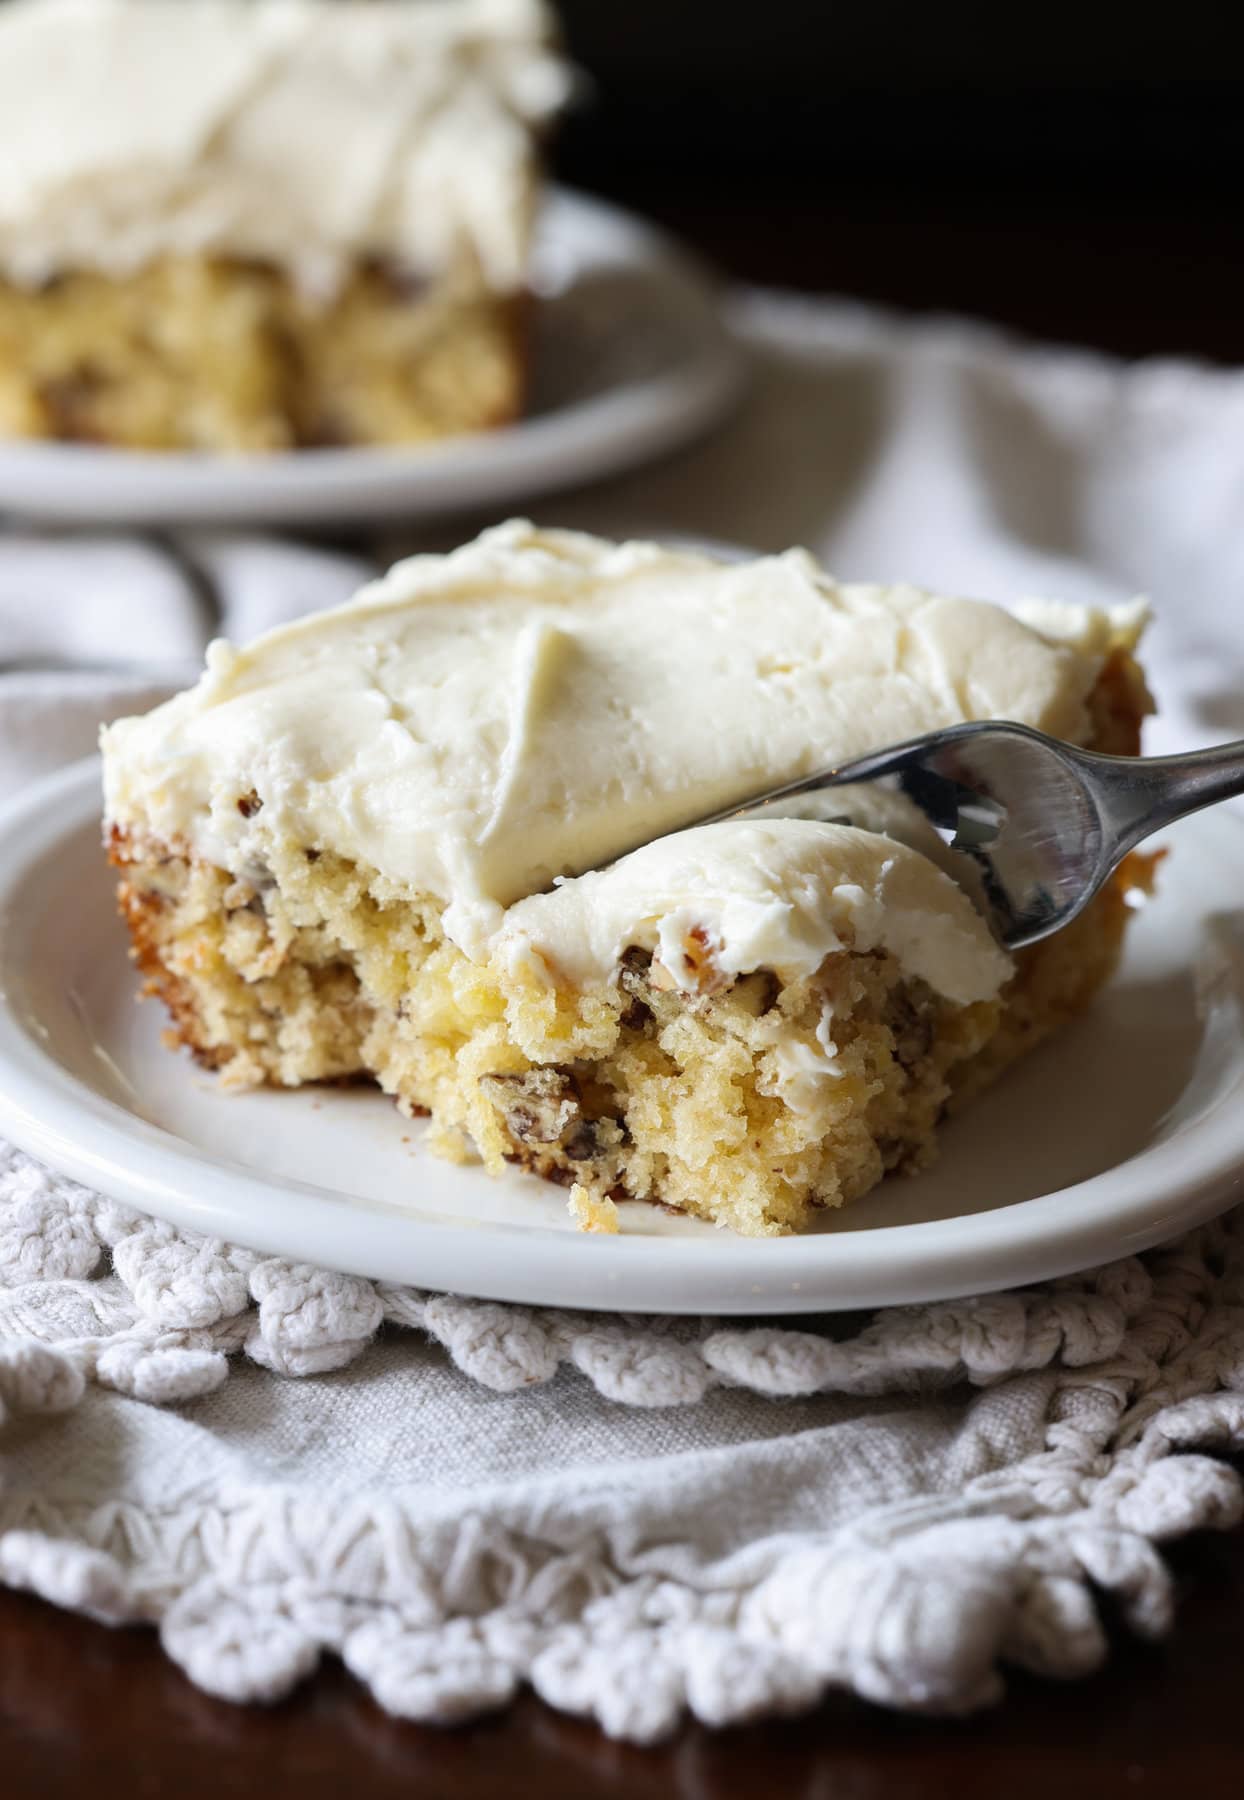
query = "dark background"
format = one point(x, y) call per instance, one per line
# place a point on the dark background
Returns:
point(1075, 171)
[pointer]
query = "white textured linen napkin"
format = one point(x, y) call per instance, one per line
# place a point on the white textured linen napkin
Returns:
point(640, 1516)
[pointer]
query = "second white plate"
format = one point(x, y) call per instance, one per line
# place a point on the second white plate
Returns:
point(1126, 1130)
point(630, 359)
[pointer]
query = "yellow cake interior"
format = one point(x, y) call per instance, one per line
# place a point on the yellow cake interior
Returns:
point(626, 1090)
point(199, 353)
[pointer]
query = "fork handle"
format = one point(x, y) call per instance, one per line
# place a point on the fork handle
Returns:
point(1141, 794)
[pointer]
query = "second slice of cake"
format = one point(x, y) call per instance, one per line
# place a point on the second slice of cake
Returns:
point(250, 225)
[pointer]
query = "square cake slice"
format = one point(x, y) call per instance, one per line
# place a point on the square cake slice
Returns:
point(242, 225)
point(374, 844)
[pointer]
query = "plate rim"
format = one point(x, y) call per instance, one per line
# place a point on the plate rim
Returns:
point(51, 1114)
point(617, 430)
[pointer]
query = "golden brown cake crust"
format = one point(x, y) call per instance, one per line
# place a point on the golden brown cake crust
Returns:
point(1118, 705)
point(141, 908)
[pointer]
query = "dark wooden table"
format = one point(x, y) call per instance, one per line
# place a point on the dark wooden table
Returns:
point(87, 1711)
point(91, 1712)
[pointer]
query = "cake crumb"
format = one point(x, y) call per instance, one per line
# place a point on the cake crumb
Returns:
point(592, 1212)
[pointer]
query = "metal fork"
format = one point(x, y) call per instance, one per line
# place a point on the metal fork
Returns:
point(1042, 824)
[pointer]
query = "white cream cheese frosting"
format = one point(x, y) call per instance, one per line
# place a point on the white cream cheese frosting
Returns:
point(306, 133)
point(782, 894)
point(535, 704)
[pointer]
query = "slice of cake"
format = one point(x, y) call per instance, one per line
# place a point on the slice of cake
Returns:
point(358, 848)
point(264, 224)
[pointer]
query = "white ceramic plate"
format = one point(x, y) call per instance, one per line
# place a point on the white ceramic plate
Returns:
point(1127, 1130)
point(630, 359)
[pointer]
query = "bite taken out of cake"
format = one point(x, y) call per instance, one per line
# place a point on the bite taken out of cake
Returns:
point(386, 842)
point(255, 225)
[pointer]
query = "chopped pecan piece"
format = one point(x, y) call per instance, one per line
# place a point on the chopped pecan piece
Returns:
point(538, 1106)
point(633, 972)
point(581, 1142)
point(700, 973)
point(912, 1027)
